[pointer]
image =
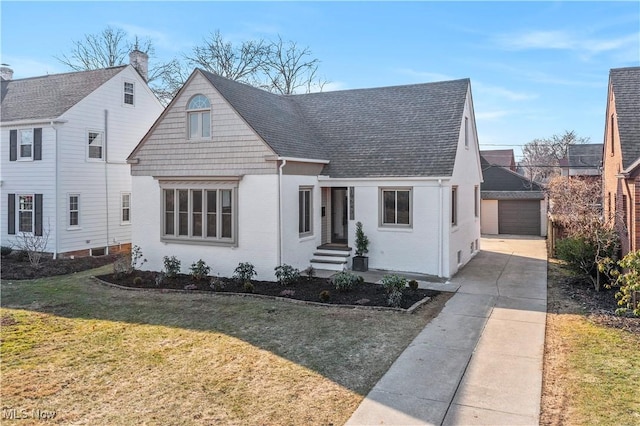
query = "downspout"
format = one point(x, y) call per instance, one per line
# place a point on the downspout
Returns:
point(56, 201)
point(280, 219)
point(440, 228)
point(106, 175)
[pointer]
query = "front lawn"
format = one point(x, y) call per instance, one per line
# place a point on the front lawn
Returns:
point(97, 355)
point(592, 357)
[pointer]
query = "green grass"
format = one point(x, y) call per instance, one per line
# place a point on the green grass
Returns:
point(603, 375)
point(98, 355)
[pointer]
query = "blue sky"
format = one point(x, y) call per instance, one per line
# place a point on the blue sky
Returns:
point(536, 68)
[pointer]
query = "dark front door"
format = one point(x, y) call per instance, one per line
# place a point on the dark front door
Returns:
point(339, 207)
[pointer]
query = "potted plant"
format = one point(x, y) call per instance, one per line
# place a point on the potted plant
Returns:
point(360, 261)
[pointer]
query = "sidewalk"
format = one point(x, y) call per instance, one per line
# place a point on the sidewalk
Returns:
point(480, 361)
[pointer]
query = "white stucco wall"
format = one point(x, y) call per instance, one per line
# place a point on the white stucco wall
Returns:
point(297, 250)
point(257, 229)
point(489, 217)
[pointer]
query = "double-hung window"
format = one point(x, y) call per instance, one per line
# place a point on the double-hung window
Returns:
point(199, 117)
point(200, 213)
point(26, 144)
point(25, 213)
point(305, 207)
point(125, 217)
point(128, 93)
point(454, 206)
point(395, 207)
point(96, 145)
point(74, 210)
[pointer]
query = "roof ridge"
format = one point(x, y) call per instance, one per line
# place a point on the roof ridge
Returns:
point(65, 73)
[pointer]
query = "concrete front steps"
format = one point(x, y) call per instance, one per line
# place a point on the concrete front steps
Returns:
point(331, 257)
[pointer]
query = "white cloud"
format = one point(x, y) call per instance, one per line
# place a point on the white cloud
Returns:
point(24, 67)
point(586, 46)
point(159, 39)
point(503, 92)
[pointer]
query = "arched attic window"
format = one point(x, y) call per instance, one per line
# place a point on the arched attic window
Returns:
point(199, 117)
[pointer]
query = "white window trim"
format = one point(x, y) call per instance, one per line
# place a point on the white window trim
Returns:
point(71, 227)
point(454, 208)
point(308, 233)
point(122, 207)
point(33, 213)
point(88, 158)
point(198, 112)
point(124, 93)
point(381, 223)
point(476, 201)
point(19, 156)
point(204, 186)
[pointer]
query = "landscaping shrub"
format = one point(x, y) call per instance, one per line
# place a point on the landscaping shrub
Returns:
point(325, 296)
point(395, 286)
point(413, 285)
point(345, 281)
point(244, 272)
point(199, 270)
point(137, 258)
point(310, 272)
point(5, 251)
point(287, 274)
point(137, 281)
point(248, 287)
point(217, 284)
point(628, 295)
point(171, 266)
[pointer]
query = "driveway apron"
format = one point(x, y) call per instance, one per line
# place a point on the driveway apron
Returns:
point(479, 362)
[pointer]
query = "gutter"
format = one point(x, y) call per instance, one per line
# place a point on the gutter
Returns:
point(49, 121)
point(280, 224)
point(57, 190)
point(440, 227)
point(106, 175)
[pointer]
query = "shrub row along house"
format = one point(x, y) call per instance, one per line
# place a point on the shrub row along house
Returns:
point(65, 139)
point(230, 173)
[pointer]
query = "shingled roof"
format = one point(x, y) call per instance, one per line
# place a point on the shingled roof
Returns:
point(625, 83)
point(49, 96)
point(502, 183)
point(585, 156)
point(500, 157)
point(410, 130)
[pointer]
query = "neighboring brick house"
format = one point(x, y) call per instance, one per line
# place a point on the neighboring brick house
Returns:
point(65, 139)
point(621, 156)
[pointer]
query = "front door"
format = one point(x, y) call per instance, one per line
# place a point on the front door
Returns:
point(339, 205)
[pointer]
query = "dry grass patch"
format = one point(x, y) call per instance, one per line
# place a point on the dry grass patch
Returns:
point(591, 371)
point(97, 355)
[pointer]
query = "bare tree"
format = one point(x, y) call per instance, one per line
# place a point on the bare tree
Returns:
point(541, 157)
point(221, 57)
point(34, 245)
point(288, 67)
point(108, 48)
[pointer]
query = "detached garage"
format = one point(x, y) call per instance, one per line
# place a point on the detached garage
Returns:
point(511, 203)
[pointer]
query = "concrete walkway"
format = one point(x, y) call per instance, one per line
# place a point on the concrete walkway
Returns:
point(479, 362)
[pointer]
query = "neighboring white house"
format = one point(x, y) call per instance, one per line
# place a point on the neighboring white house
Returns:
point(230, 173)
point(65, 140)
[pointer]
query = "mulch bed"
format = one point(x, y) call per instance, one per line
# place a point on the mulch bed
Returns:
point(364, 294)
point(600, 306)
point(16, 266)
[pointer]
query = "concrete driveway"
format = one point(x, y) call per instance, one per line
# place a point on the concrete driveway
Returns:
point(480, 361)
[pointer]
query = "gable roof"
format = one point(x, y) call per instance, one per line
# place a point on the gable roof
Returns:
point(410, 130)
point(500, 157)
point(625, 83)
point(497, 178)
point(585, 156)
point(49, 96)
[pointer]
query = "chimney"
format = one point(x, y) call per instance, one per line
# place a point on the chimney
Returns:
point(6, 73)
point(140, 61)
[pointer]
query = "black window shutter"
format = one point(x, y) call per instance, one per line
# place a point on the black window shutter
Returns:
point(13, 145)
point(37, 144)
point(38, 213)
point(11, 229)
